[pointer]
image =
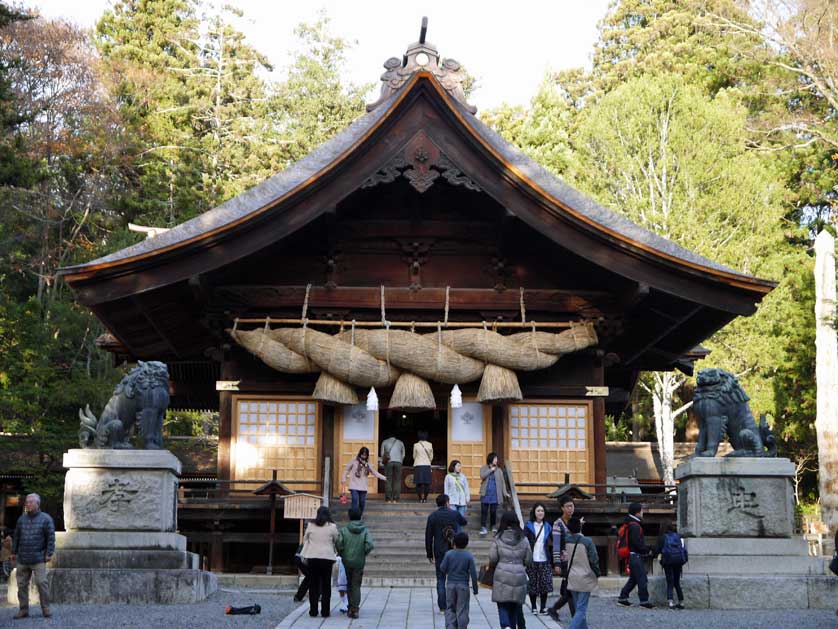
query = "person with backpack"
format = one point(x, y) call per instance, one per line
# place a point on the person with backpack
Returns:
point(440, 529)
point(560, 534)
point(583, 571)
point(458, 566)
point(353, 545)
point(392, 456)
point(631, 547)
point(673, 556)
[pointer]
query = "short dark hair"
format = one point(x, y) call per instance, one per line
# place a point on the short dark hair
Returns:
point(635, 508)
point(423, 435)
point(323, 516)
point(354, 514)
point(461, 540)
point(442, 500)
point(574, 524)
point(565, 499)
point(490, 457)
point(452, 465)
point(672, 527)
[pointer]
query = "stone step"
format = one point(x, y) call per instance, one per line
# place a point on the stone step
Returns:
point(754, 564)
point(795, 546)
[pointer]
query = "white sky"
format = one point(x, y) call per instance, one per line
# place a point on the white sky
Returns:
point(507, 46)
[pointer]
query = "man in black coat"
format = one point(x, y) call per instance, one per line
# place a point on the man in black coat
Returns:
point(32, 548)
point(439, 533)
point(637, 551)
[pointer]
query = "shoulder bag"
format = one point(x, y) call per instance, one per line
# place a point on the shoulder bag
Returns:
point(563, 587)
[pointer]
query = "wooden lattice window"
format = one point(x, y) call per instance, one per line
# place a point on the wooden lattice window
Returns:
point(280, 434)
point(548, 439)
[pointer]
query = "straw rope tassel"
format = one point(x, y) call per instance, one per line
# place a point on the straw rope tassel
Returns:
point(523, 309)
point(447, 293)
point(535, 342)
point(264, 334)
point(386, 325)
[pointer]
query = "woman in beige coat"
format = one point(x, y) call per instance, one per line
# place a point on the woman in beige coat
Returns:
point(423, 456)
point(319, 554)
point(510, 554)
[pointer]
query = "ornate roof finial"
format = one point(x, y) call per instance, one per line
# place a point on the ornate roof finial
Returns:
point(422, 55)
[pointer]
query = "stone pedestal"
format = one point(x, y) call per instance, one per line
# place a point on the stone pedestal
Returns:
point(737, 517)
point(121, 545)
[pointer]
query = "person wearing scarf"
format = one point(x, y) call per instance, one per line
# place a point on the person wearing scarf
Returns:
point(358, 471)
point(456, 488)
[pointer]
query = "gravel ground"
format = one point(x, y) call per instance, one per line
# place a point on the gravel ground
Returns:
point(603, 612)
point(208, 614)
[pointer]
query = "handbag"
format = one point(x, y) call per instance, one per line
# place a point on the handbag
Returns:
point(833, 565)
point(486, 576)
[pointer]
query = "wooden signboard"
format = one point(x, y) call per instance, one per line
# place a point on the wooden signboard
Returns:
point(301, 506)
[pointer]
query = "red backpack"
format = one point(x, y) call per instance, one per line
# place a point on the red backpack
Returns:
point(623, 541)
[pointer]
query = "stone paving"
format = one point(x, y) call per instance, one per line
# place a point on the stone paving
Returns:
point(414, 608)
point(406, 607)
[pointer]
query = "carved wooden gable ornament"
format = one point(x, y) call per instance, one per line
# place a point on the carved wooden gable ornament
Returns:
point(422, 55)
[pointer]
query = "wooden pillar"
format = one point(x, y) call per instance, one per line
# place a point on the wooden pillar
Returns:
point(217, 549)
point(613, 562)
point(498, 432)
point(598, 373)
point(225, 423)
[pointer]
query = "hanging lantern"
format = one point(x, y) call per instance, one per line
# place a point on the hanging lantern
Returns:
point(372, 400)
point(456, 397)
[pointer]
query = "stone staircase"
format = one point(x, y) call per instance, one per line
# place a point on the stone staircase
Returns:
point(399, 558)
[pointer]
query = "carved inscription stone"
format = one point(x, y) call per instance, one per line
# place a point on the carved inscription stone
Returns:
point(743, 497)
point(120, 490)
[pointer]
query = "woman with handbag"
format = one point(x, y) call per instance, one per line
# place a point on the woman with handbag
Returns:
point(423, 456)
point(358, 471)
point(539, 534)
point(509, 555)
point(319, 554)
point(582, 571)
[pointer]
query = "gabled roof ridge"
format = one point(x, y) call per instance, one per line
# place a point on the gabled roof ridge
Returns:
point(578, 203)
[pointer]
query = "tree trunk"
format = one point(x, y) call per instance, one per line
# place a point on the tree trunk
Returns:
point(826, 369)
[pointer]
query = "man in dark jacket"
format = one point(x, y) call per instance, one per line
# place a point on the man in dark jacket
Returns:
point(353, 545)
point(439, 535)
point(637, 551)
point(33, 547)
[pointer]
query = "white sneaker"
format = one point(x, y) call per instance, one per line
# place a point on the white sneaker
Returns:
point(343, 609)
point(483, 530)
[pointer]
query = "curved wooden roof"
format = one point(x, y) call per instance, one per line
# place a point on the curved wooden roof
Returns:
point(528, 190)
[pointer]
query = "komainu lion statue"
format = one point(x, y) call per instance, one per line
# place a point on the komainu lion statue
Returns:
point(722, 408)
point(138, 402)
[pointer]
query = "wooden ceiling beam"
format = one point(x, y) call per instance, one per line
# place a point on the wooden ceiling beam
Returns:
point(549, 300)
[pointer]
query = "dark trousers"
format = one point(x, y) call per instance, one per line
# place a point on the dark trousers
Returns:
point(393, 485)
point(673, 581)
point(359, 499)
point(565, 597)
point(488, 514)
point(440, 584)
point(637, 577)
point(304, 584)
point(320, 585)
point(508, 614)
point(354, 576)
